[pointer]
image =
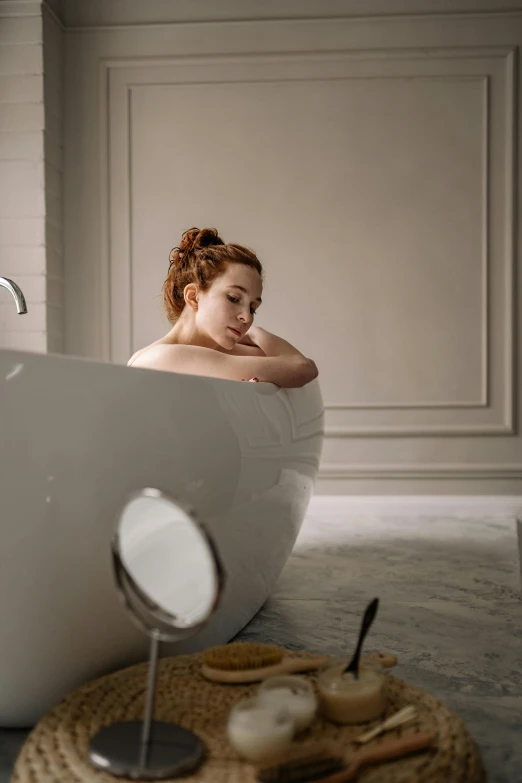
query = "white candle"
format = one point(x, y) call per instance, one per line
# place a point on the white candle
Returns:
point(257, 731)
point(295, 693)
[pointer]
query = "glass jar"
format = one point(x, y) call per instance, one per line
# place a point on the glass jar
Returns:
point(345, 699)
point(295, 693)
point(258, 731)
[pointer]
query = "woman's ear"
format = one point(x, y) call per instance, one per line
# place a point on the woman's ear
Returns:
point(190, 295)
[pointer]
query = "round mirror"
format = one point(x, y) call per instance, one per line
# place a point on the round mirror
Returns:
point(169, 575)
point(170, 559)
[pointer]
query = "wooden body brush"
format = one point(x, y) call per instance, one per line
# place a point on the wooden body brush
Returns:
point(245, 662)
point(328, 765)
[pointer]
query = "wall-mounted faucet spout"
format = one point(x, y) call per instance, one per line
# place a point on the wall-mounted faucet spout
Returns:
point(16, 293)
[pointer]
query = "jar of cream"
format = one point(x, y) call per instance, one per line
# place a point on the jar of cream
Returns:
point(345, 699)
point(257, 730)
point(295, 693)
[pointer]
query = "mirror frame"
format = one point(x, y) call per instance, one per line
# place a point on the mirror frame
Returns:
point(143, 605)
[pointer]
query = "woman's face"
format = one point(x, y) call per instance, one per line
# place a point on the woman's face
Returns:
point(230, 303)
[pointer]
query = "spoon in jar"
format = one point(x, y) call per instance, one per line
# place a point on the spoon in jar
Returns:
point(369, 617)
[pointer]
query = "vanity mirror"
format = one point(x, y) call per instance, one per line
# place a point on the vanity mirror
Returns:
point(169, 575)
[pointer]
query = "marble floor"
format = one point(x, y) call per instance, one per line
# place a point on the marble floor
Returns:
point(450, 609)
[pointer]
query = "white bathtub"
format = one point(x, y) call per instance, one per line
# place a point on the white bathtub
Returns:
point(76, 438)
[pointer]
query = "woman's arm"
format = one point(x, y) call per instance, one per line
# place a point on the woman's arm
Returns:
point(287, 370)
point(272, 345)
point(247, 340)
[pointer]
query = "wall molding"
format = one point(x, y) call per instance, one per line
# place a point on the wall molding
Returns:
point(14, 8)
point(508, 427)
point(102, 15)
point(418, 431)
point(506, 53)
point(54, 16)
point(484, 392)
point(340, 430)
point(414, 505)
point(455, 471)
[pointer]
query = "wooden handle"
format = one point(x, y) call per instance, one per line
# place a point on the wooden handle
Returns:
point(387, 751)
point(394, 748)
point(387, 660)
point(304, 664)
point(286, 666)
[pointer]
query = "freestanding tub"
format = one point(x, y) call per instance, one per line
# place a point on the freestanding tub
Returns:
point(76, 438)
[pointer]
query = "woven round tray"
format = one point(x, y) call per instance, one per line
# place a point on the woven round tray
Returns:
point(56, 749)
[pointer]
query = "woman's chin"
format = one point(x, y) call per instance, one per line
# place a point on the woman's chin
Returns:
point(226, 343)
point(232, 337)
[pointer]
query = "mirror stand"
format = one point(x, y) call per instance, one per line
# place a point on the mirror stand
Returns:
point(148, 749)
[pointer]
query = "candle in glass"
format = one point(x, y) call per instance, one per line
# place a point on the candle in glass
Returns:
point(295, 693)
point(257, 730)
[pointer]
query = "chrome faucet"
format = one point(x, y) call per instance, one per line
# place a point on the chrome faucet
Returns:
point(16, 293)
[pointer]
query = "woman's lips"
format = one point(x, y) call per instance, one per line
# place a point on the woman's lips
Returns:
point(235, 331)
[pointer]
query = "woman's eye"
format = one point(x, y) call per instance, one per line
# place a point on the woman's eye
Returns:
point(233, 299)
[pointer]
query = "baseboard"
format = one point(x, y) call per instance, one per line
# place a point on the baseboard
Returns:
point(519, 534)
point(416, 504)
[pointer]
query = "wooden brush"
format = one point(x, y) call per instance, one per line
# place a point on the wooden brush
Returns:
point(245, 662)
point(325, 764)
point(310, 762)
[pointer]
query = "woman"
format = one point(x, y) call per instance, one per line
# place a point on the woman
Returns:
point(211, 296)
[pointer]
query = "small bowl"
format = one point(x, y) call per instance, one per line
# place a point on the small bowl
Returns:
point(344, 699)
point(295, 693)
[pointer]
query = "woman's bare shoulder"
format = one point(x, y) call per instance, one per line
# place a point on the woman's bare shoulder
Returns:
point(145, 356)
point(135, 356)
point(160, 349)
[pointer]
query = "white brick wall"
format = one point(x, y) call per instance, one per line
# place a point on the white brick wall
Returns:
point(31, 103)
point(53, 152)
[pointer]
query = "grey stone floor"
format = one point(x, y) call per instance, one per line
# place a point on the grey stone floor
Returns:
point(450, 609)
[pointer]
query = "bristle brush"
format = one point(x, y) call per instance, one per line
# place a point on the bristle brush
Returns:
point(246, 662)
point(324, 766)
point(309, 763)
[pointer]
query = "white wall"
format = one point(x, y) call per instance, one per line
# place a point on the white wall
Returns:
point(31, 119)
point(30, 158)
point(370, 160)
point(53, 152)
point(22, 198)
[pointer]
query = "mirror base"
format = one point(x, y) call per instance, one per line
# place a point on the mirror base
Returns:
point(172, 750)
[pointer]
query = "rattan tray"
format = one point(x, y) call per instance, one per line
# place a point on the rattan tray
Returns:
point(56, 749)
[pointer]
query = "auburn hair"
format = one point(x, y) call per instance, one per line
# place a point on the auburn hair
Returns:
point(201, 257)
